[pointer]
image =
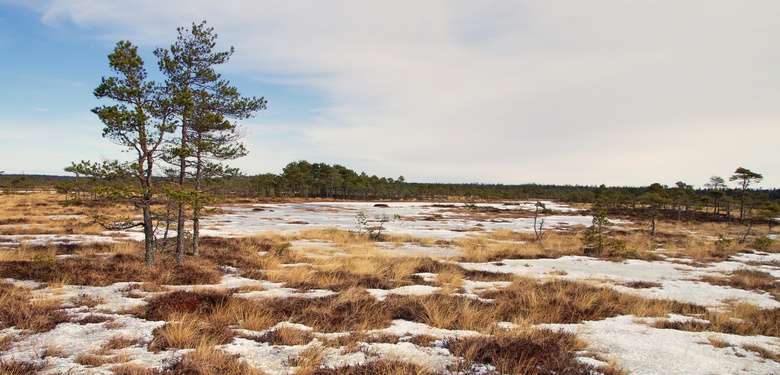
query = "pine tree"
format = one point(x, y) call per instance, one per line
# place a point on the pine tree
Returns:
point(744, 177)
point(205, 103)
point(140, 123)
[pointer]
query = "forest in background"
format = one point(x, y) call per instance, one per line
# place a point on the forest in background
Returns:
point(302, 179)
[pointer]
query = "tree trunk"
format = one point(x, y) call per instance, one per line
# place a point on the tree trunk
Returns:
point(148, 235)
point(179, 252)
point(196, 207)
point(652, 231)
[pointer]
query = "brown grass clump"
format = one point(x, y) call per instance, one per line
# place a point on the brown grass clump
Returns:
point(763, 352)
point(118, 342)
point(85, 300)
point(20, 367)
point(236, 252)
point(443, 311)
point(5, 341)
point(101, 271)
point(559, 301)
point(285, 335)
point(94, 319)
point(523, 352)
point(378, 367)
point(18, 310)
point(353, 309)
point(743, 319)
point(439, 267)
point(350, 342)
point(379, 272)
point(206, 360)
point(202, 303)
point(97, 360)
point(643, 284)
point(245, 314)
point(182, 333)
point(450, 281)
point(309, 360)
point(340, 280)
point(503, 244)
point(748, 279)
point(131, 369)
point(187, 331)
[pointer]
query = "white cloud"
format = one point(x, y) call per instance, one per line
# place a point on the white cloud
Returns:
point(497, 91)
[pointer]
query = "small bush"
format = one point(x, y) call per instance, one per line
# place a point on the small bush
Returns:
point(723, 243)
point(763, 243)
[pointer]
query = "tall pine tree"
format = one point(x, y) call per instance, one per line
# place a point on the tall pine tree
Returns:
point(205, 104)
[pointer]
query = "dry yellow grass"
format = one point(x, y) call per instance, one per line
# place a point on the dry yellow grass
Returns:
point(449, 280)
point(245, 314)
point(96, 360)
point(206, 359)
point(508, 244)
point(181, 331)
point(44, 213)
point(308, 361)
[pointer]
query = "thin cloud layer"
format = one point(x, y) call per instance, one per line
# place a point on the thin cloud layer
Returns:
point(622, 93)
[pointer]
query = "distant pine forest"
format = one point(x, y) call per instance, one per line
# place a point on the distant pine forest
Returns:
point(302, 179)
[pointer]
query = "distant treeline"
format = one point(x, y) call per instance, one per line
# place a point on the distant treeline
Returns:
point(301, 179)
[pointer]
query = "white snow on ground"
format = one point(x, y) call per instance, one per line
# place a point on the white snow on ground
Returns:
point(71, 339)
point(642, 349)
point(678, 281)
point(252, 219)
point(628, 341)
point(15, 240)
point(411, 290)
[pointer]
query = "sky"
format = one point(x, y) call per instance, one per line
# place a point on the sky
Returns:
point(552, 92)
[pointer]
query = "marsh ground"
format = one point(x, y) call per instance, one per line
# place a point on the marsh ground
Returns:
point(309, 288)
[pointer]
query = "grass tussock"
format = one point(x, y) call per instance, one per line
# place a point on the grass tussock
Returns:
point(443, 311)
point(529, 301)
point(285, 335)
point(97, 360)
point(187, 331)
point(6, 341)
point(748, 279)
point(762, 352)
point(742, 319)
point(132, 369)
point(207, 360)
point(378, 367)
point(350, 342)
point(371, 272)
point(17, 309)
point(243, 253)
point(118, 342)
point(20, 367)
point(102, 271)
point(523, 352)
point(94, 319)
point(309, 360)
point(201, 303)
point(353, 309)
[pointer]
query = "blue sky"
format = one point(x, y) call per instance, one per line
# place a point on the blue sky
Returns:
point(565, 92)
